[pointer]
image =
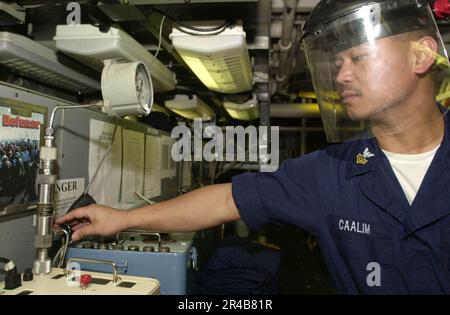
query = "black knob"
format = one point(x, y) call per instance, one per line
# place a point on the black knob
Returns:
point(12, 281)
point(66, 227)
point(28, 274)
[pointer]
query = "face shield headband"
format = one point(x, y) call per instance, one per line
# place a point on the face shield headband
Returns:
point(369, 23)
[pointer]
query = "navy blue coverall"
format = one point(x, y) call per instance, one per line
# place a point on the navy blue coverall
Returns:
point(372, 239)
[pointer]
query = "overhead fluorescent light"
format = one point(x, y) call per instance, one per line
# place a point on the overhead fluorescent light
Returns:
point(35, 61)
point(190, 107)
point(91, 46)
point(248, 110)
point(220, 61)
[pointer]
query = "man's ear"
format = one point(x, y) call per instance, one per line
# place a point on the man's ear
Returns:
point(425, 53)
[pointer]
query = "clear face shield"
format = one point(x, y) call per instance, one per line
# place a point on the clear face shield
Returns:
point(374, 67)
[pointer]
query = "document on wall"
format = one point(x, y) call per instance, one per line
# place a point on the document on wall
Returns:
point(152, 176)
point(168, 166)
point(133, 165)
point(66, 192)
point(106, 187)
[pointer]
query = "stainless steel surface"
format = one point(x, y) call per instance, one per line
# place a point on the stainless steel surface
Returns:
point(43, 264)
point(46, 192)
point(44, 225)
point(43, 236)
point(48, 168)
point(43, 229)
point(42, 255)
point(43, 241)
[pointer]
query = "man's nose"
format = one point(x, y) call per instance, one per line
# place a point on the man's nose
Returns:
point(345, 74)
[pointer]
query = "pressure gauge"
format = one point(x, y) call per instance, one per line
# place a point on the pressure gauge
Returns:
point(143, 86)
point(127, 89)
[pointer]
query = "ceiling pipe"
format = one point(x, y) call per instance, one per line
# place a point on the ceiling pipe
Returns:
point(276, 28)
point(285, 42)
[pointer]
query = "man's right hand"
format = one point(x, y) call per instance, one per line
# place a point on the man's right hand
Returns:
point(94, 220)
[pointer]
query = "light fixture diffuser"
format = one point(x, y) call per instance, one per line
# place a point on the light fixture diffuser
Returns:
point(248, 110)
point(30, 59)
point(190, 107)
point(219, 60)
point(91, 46)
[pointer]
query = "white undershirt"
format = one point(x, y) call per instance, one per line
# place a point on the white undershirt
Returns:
point(410, 170)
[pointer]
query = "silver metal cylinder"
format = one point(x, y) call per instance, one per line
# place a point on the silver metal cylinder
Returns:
point(47, 167)
point(43, 241)
point(46, 193)
point(48, 140)
point(42, 255)
point(43, 264)
point(44, 225)
point(46, 188)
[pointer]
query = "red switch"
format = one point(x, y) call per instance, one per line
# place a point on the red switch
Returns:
point(442, 8)
point(85, 280)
